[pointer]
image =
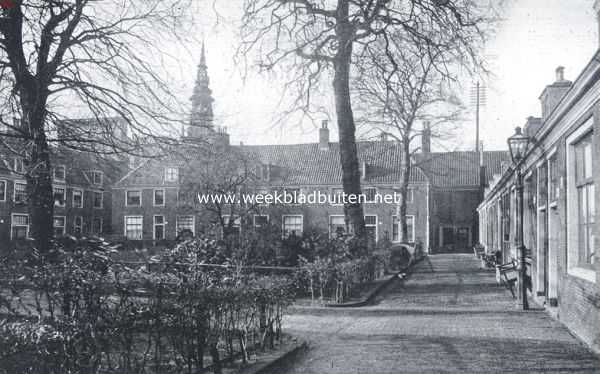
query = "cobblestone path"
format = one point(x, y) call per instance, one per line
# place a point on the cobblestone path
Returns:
point(448, 317)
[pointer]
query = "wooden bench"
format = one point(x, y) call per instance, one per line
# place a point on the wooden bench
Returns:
point(508, 275)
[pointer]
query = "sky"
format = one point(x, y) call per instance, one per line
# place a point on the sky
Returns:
point(534, 38)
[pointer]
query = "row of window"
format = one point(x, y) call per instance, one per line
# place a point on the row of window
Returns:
point(59, 195)
point(545, 187)
point(291, 225)
point(133, 198)
point(19, 226)
point(59, 172)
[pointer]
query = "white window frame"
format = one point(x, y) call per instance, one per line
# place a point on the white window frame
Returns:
point(18, 165)
point(283, 224)
point(154, 197)
point(399, 228)
point(4, 196)
point(93, 175)
point(64, 188)
point(12, 219)
point(573, 267)
point(15, 191)
point(101, 199)
point(133, 190)
point(64, 173)
point(260, 215)
point(376, 225)
point(64, 226)
point(331, 234)
point(169, 180)
point(185, 215)
point(75, 226)
point(164, 226)
point(125, 226)
point(73, 198)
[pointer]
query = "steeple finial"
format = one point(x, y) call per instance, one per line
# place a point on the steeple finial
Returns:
point(201, 121)
point(203, 55)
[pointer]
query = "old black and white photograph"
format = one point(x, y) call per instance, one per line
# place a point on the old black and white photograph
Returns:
point(299, 186)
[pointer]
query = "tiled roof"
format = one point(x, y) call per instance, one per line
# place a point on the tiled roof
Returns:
point(460, 169)
point(306, 164)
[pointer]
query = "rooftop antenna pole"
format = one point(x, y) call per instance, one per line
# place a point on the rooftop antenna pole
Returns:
point(478, 99)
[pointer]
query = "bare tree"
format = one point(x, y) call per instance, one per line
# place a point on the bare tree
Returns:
point(213, 183)
point(319, 36)
point(398, 94)
point(60, 57)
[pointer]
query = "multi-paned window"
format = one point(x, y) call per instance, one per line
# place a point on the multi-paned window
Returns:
point(171, 174)
point(159, 227)
point(98, 199)
point(185, 223)
point(293, 225)
point(19, 226)
point(233, 227)
point(261, 220)
point(337, 226)
point(134, 227)
point(553, 179)
point(2, 190)
point(410, 229)
point(59, 225)
point(371, 227)
point(77, 198)
point(60, 196)
point(97, 177)
point(133, 198)
point(19, 165)
point(97, 225)
point(20, 194)
point(59, 173)
point(78, 225)
point(584, 184)
point(370, 193)
point(159, 197)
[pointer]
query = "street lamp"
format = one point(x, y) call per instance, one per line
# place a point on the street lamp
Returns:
point(517, 144)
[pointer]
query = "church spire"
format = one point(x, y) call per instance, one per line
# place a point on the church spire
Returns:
point(201, 120)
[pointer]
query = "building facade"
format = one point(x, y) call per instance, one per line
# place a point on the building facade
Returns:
point(560, 202)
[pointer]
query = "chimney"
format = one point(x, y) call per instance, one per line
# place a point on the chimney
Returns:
point(324, 136)
point(426, 138)
point(553, 94)
point(532, 126)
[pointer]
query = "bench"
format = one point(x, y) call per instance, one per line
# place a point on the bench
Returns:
point(508, 275)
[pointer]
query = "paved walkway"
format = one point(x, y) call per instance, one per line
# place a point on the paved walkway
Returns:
point(448, 317)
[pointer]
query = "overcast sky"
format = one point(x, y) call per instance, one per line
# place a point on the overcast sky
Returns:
point(535, 38)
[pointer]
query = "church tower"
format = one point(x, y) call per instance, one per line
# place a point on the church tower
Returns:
point(201, 119)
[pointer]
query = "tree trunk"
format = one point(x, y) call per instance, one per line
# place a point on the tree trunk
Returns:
point(40, 199)
point(345, 120)
point(406, 166)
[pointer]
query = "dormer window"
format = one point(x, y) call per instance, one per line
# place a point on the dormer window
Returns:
point(59, 173)
point(97, 176)
point(19, 165)
point(171, 174)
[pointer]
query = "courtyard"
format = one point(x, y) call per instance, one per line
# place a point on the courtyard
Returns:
point(449, 316)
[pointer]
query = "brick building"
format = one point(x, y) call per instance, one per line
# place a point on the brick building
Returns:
point(445, 188)
point(560, 202)
point(82, 195)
